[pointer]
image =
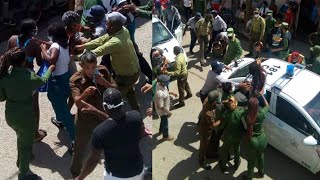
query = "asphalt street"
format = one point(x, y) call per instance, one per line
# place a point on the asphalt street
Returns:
point(52, 161)
point(178, 159)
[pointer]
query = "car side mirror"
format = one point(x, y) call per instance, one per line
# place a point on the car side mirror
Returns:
point(310, 141)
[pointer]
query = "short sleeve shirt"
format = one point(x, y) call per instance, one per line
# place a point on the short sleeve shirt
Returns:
point(202, 27)
point(120, 141)
point(79, 83)
point(62, 65)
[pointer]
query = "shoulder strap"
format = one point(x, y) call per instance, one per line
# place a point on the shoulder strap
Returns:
point(17, 41)
point(26, 43)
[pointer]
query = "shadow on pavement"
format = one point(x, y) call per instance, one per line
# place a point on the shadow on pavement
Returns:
point(47, 158)
point(188, 134)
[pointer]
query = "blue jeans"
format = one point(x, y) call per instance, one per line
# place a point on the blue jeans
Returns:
point(132, 29)
point(58, 93)
point(164, 126)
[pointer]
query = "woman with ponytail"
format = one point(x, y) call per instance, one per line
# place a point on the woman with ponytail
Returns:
point(25, 40)
point(19, 111)
point(255, 136)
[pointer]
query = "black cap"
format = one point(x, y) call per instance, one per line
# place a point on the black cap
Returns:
point(112, 98)
point(217, 66)
point(163, 78)
point(96, 11)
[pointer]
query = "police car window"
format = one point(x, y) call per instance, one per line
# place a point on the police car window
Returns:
point(268, 96)
point(313, 108)
point(243, 72)
point(287, 113)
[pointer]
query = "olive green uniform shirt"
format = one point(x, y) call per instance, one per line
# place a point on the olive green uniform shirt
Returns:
point(17, 87)
point(232, 124)
point(258, 26)
point(145, 11)
point(180, 66)
point(203, 27)
point(316, 66)
point(124, 59)
point(234, 51)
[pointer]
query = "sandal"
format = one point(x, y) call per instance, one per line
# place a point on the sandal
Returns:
point(41, 137)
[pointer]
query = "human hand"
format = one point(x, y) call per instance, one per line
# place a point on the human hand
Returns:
point(130, 7)
point(245, 86)
point(149, 112)
point(169, 114)
point(52, 67)
point(87, 108)
point(228, 68)
point(89, 91)
point(174, 94)
point(79, 47)
point(43, 47)
point(100, 79)
point(146, 88)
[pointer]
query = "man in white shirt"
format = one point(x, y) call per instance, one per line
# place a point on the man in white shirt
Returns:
point(192, 24)
point(187, 4)
point(214, 79)
point(162, 105)
point(218, 26)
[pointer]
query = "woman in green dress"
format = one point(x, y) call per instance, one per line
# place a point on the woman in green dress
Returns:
point(19, 112)
point(255, 136)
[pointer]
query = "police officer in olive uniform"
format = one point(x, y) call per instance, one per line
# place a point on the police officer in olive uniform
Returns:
point(257, 140)
point(234, 51)
point(231, 123)
point(207, 124)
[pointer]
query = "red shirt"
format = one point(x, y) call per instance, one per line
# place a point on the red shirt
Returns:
point(289, 18)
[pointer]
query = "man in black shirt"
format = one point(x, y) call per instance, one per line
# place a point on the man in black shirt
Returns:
point(118, 137)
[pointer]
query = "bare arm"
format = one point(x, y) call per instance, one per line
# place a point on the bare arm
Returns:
point(90, 164)
point(52, 57)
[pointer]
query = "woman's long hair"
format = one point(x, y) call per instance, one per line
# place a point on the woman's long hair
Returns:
point(258, 77)
point(253, 108)
point(59, 35)
point(13, 57)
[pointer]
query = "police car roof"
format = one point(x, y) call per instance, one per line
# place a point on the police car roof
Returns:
point(302, 88)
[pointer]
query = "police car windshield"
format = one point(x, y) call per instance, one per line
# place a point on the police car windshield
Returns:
point(160, 34)
point(313, 108)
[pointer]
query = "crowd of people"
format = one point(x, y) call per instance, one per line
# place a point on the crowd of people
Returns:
point(222, 118)
point(103, 28)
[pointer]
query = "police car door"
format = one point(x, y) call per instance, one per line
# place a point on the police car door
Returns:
point(294, 129)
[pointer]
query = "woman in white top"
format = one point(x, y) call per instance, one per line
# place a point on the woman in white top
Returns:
point(58, 88)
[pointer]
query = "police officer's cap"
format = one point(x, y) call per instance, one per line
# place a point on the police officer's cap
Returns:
point(112, 98)
point(214, 96)
point(270, 13)
point(284, 25)
point(315, 49)
point(230, 32)
point(163, 78)
point(217, 66)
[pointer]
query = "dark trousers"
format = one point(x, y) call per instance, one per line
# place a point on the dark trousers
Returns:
point(203, 95)
point(213, 37)
point(126, 87)
point(193, 39)
point(84, 127)
point(145, 68)
point(187, 13)
point(183, 85)
point(164, 126)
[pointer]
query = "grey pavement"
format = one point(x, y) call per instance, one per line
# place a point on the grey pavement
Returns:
point(178, 159)
point(52, 161)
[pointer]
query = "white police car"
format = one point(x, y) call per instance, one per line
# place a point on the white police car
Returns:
point(165, 40)
point(293, 123)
